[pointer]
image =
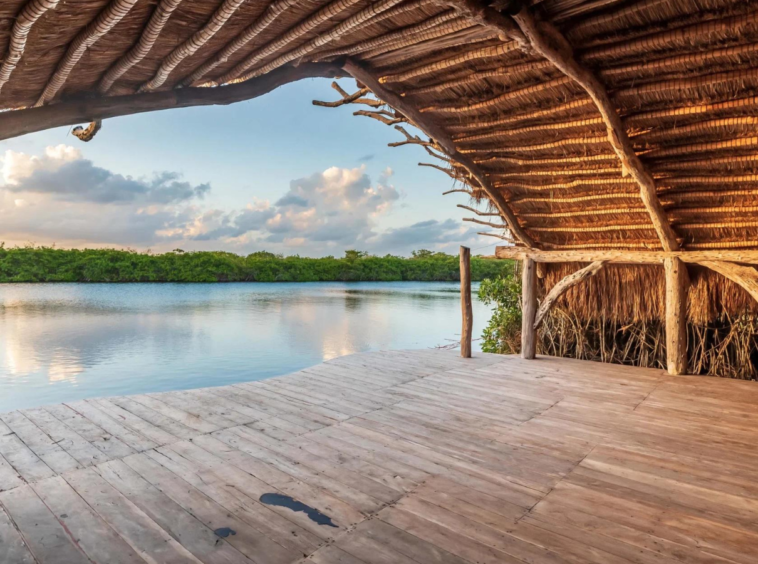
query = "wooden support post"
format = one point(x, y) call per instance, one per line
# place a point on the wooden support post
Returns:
point(677, 284)
point(529, 309)
point(466, 310)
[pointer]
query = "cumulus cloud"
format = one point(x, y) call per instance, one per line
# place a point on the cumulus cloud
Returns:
point(62, 173)
point(337, 207)
point(430, 234)
point(61, 197)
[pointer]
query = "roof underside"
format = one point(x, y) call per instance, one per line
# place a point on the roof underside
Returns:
point(681, 73)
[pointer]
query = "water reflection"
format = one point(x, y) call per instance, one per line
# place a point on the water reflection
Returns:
point(67, 341)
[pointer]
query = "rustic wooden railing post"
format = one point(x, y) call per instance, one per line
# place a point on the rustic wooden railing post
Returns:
point(466, 310)
point(529, 309)
point(677, 283)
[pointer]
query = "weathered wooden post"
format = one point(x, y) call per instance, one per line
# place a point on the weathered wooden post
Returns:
point(677, 284)
point(529, 309)
point(466, 311)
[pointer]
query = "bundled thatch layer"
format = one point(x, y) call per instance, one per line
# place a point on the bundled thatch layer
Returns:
point(630, 294)
point(617, 316)
point(683, 74)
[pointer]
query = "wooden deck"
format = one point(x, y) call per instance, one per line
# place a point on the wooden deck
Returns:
point(392, 458)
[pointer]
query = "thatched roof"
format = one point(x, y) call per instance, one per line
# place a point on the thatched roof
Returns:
point(514, 114)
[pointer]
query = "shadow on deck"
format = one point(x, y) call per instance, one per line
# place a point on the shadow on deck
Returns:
point(392, 458)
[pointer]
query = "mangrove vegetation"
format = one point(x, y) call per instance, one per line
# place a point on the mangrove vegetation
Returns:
point(49, 264)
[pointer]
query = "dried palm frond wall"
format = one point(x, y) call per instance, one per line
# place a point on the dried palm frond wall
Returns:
point(616, 316)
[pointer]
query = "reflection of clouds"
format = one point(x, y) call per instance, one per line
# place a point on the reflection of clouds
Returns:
point(17, 361)
point(63, 367)
point(64, 342)
point(61, 344)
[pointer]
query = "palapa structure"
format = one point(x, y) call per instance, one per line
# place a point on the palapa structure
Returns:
point(615, 133)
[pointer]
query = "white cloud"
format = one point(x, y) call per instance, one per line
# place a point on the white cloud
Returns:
point(20, 166)
point(60, 197)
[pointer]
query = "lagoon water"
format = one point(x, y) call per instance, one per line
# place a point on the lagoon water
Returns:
point(63, 342)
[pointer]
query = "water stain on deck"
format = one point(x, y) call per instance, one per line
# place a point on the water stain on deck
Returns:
point(286, 501)
point(224, 532)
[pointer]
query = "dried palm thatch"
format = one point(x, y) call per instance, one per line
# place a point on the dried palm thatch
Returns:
point(583, 124)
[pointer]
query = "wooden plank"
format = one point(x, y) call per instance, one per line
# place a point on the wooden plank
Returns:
point(254, 478)
point(186, 418)
point(246, 539)
point(70, 441)
point(12, 545)
point(133, 439)
point(39, 442)
point(146, 537)
point(46, 538)
point(156, 526)
point(28, 465)
point(9, 477)
point(146, 429)
point(332, 555)
point(109, 445)
point(93, 536)
point(166, 424)
point(243, 503)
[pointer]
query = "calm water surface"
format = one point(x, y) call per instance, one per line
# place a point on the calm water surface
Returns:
point(61, 342)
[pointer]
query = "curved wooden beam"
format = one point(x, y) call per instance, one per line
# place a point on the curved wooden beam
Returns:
point(561, 287)
point(478, 13)
point(367, 77)
point(745, 276)
point(21, 122)
point(548, 41)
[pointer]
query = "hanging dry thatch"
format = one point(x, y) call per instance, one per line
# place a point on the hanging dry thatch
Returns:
point(582, 124)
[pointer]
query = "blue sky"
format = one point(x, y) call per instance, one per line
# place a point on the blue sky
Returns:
point(274, 173)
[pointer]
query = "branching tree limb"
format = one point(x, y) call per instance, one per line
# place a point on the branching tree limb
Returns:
point(477, 212)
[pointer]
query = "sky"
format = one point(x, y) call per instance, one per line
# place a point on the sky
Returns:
point(274, 173)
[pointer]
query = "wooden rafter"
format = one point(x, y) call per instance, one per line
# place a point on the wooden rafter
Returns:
point(363, 74)
point(241, 39)
point(106, 19)
point(32, 12)
point(222, 15)
point(286, 39)
point(324, 38)
point(13, 124)
point(145, 44)
point(477, 12)
point(550, 43)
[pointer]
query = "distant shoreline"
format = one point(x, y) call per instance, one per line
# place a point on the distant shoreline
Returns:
point(50, 265)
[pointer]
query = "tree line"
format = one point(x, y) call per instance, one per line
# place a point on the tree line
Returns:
point(49, 264)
